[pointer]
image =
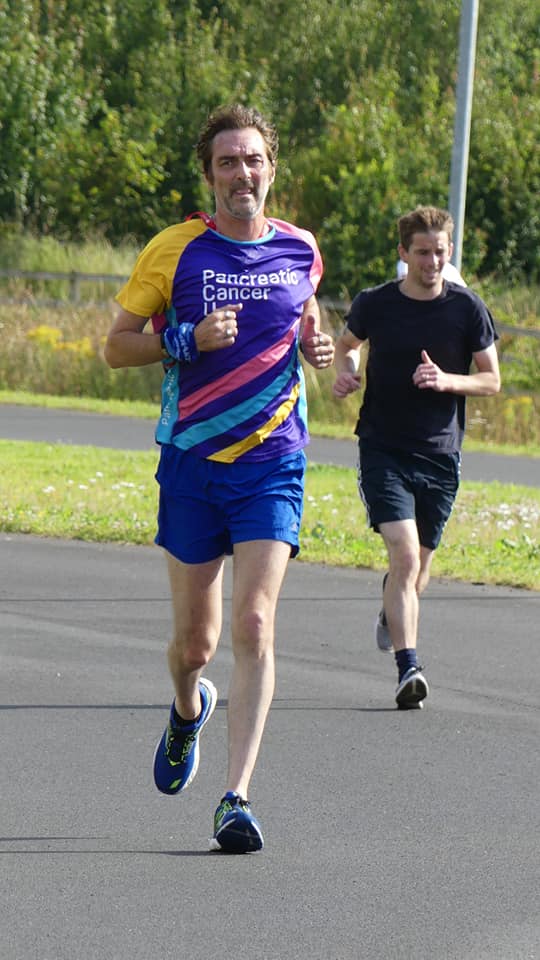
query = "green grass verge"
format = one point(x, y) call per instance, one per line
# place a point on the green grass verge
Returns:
point(78, 492)
point(116, 408)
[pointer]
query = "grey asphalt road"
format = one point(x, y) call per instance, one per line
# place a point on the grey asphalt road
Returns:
point(389, 835)
point(68, 426)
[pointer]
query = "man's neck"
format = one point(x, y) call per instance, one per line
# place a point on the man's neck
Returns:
point(417, 292)
point(243, 230)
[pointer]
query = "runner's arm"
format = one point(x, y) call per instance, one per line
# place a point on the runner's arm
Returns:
point(347, 363)
point(484, 382)
point(127, 344)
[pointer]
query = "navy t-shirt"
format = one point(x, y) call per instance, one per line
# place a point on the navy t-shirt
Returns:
point(453, 326)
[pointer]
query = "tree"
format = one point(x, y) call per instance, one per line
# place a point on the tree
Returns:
point(104, 99)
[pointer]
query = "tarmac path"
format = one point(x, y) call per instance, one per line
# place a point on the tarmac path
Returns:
point(389, 835)
point(69, 426)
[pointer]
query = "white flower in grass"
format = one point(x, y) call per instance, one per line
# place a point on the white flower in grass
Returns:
point(505, 524)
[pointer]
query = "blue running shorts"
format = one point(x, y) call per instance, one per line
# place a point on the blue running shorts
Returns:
point(398, 485)
point(205, 507)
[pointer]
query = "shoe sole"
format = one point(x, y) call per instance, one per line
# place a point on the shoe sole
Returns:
point(412, 694)
point(381, 635)
point(212, 692)
point(238, 839)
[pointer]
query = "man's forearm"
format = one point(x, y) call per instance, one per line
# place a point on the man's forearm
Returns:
point(478, 384)
point(346, 359)
point(128, 348)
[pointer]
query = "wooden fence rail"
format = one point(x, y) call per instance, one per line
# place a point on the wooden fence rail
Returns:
point(76, 279)
point(73, 277)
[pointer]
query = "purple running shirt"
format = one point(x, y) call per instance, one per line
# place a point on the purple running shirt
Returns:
point(246, 401)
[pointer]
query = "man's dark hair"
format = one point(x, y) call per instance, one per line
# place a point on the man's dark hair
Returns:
point(235, 117)
point(424, 220)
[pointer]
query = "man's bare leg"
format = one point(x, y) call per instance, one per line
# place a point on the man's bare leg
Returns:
point(408, 575)
point(259, 568)
point(196, 591)
point(400, 596)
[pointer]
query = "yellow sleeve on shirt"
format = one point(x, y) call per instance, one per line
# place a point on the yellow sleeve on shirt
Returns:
point(149, 288)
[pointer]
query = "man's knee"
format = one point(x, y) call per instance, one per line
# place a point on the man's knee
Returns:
point(253, 631)
point(191, 651)
point(405, 561)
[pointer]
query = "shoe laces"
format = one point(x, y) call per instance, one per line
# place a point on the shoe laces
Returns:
point(230, 802)
point(235, 800)
point(179, 744)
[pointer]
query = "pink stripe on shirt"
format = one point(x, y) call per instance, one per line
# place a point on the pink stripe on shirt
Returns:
point(237, 378)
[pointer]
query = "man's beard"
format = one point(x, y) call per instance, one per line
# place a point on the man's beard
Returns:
point(246, 208)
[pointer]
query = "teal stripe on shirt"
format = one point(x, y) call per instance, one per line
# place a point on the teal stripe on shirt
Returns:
point(223, 422)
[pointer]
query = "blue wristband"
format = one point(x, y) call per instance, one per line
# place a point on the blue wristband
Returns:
point(179, 342)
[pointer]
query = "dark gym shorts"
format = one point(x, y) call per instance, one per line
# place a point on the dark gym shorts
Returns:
point(397, 485)
point(205, 506)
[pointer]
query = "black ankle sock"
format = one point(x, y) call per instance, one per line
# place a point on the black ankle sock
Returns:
point(180, 722)
point(405, 659)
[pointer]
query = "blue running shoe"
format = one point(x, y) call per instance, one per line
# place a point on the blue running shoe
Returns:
point(176, 758)
point(412, 690)
point(236, 830)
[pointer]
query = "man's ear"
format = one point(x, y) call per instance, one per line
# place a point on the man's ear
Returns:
point(450, 250)
point(403, 254)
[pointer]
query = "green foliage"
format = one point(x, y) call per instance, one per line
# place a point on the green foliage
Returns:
point(353, 185)
point(60, 352)
point(80, 124)
point(103, 99)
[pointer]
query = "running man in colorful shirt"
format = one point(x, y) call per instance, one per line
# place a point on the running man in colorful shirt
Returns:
point(232, 299)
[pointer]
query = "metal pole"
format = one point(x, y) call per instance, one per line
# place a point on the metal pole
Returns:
point(462, 125)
